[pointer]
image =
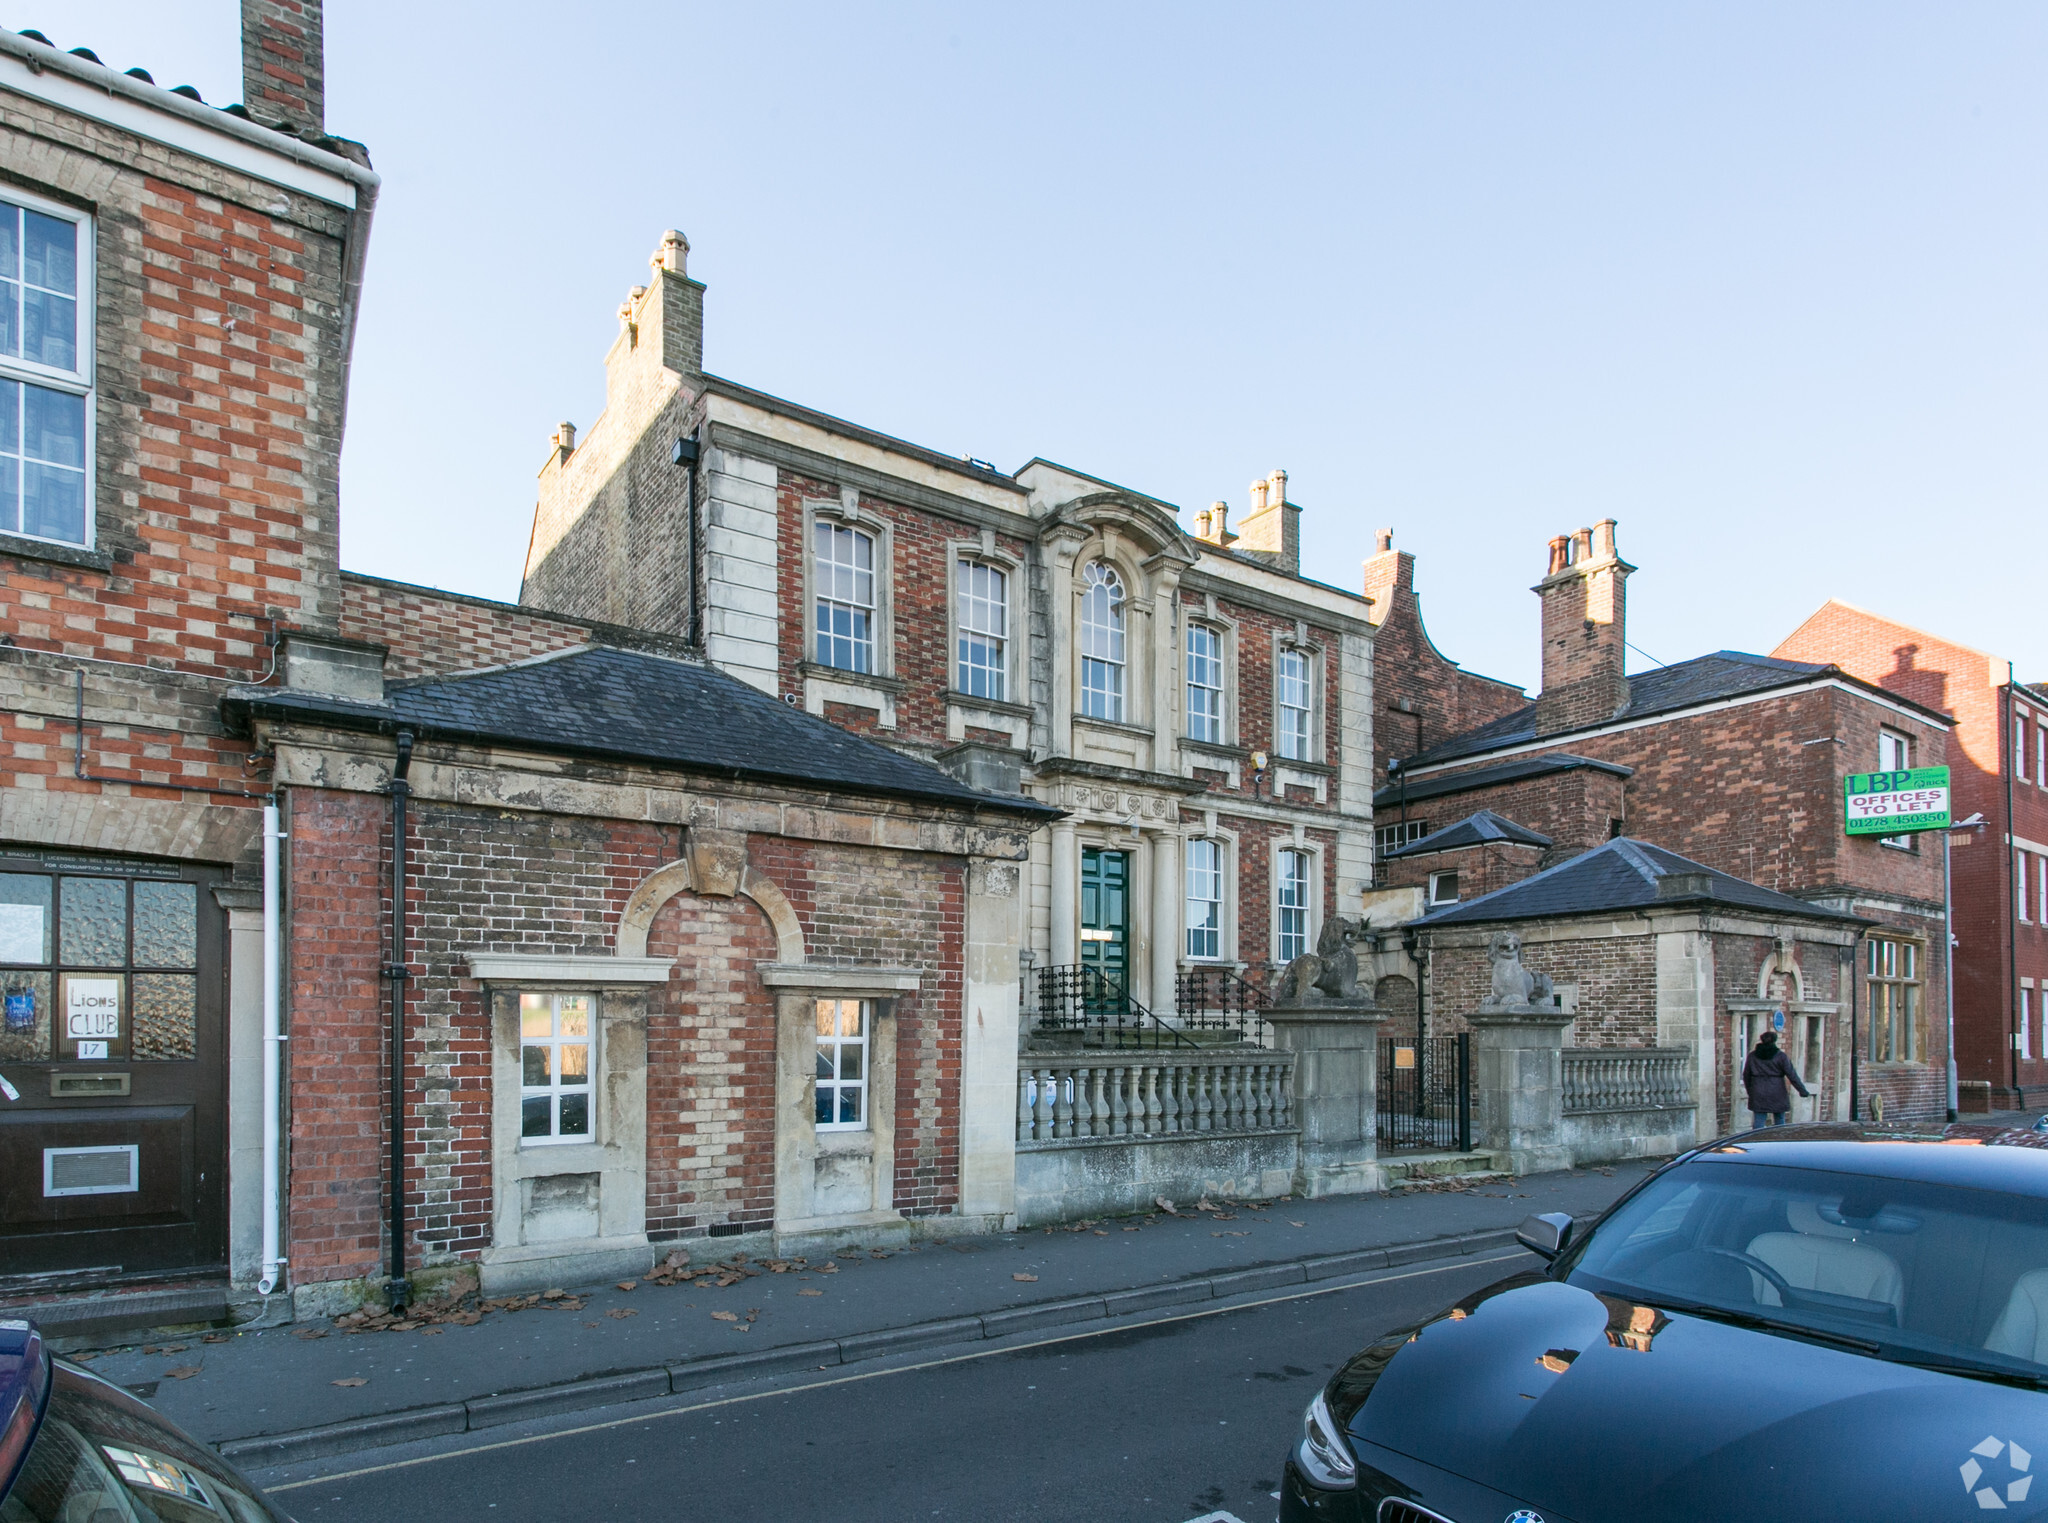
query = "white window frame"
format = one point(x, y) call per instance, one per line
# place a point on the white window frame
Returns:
point(1391, 838)
point(77, 382)
point(1294, 725)
point(1106, 701)
point(1436, 882)
point(838, 1044)
point(1282, 936)
point(825, 589)
point(2019, 746)
point(1893, 962)
point(1219, 873)
point(1216, 662)
point(2021, 900)
point(2024, 1039)
point(966, 567)
point(555, 1090)
point(2040, 755)
point(1895, 754)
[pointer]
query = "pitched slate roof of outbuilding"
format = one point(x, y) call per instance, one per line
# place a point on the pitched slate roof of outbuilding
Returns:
point(1704, 679)
point(1623, 875)
point(629, 705)
point(1394, 795)
point(1474, 830)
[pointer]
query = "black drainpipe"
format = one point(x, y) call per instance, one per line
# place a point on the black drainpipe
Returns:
point(685, 455)
point(398, 1289)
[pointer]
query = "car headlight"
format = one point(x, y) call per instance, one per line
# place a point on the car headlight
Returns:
point(1322, 1454)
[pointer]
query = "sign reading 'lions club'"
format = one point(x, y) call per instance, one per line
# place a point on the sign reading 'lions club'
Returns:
point(1895, 803)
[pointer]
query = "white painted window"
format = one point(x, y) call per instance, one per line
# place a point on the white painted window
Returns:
point(1443, 888)
point(984, 618)
point(1892, 969)
point(1894, 754)
point(555, 1091)
point(2041, 879)
point(1291, 902)
point(843, 573)
point(46, 343)
point(842, 1093)
point(1205, 684)
point(2041, 756)
point(2019, 859)
point(2019, 747)
point(1291, 706)
point(1388, 838)
point(2025, 1039)
point(1205, 898)
point(1102, 643)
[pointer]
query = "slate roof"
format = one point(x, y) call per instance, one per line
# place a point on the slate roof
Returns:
point(1394, 794)
point(1704, 679)
point(1624, 874)
point(1474, 830)
point(626, 705)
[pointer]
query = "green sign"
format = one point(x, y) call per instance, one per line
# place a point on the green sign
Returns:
point(1895, 803)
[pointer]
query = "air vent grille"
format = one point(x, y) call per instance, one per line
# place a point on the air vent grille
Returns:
point(1400, 1510)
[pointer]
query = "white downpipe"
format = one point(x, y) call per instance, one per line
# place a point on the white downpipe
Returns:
point(273, 1043)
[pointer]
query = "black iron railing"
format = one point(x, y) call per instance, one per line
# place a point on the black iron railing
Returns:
point(1219, 1002)
point(1425, 1094)
point(1094, 1008)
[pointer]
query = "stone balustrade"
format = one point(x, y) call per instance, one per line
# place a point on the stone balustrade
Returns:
point(1600, 1080)
point(1155, 1094)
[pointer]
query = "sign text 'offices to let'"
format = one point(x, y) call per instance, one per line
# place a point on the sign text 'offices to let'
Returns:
point(1895, 803)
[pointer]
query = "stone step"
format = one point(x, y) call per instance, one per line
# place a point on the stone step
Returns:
point(1413, 1168)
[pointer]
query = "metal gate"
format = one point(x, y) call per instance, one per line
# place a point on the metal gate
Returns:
point(1425, 1094)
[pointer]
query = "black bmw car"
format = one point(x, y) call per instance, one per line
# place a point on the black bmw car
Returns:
point(1824, 1321)
point(74, 1449)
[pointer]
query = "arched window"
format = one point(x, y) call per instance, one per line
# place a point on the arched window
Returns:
point(1102, 643)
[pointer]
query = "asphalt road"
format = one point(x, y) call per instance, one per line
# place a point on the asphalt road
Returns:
point(1174, 1419)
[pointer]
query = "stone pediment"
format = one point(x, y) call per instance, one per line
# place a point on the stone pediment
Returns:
point(1144, 525)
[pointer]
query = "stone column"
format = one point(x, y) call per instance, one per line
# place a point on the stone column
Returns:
point(1336, 1077)
point(1166, 908)
point(1066, 889)
point(1518, 1076)
point(988, 1043)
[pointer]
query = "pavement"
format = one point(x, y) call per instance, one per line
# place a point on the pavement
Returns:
point(278, 1394)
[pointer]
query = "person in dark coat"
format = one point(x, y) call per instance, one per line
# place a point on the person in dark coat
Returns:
point(1765, 1072)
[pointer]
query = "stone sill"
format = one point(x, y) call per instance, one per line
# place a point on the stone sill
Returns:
point(895, 687)
point(1059, 1143)
point(961, 700)
point(24, 548)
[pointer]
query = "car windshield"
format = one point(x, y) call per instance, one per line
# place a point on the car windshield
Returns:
point(100, 1457)
point(1920, 1273)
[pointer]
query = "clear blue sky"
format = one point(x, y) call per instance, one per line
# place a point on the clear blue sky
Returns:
point(1762, 281)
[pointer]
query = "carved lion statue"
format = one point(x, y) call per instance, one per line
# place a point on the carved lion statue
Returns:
point(1330, 971)
point(1513, 984)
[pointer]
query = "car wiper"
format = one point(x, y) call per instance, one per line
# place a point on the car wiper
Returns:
point(1950, 1365)
point(1766, 1324)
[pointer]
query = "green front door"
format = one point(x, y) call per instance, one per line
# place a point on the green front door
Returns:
point(1105, 911)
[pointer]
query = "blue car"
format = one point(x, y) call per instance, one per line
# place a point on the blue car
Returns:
point(74, 1449)
point(1822, 1321)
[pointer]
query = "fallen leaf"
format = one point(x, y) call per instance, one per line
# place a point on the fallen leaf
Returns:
point(1230, 1234)
point(310, 1333)
point(1165, 1205)
point(1100, 1233)
point(467, 1318)
point(753, 1312)
point(1297, 1224)
point(810, 1292)
point(627, 1284)
point(593, 1324)
point(1023, 1276)
point(173, 1348)
point(725, 1316)
point(432, 1332)
point(182, 1372)
point(553, 1295)
point(353, 1380)
point(620, 1312)
point(1226, 1216)
point(1134, 1229)
point(218, 1338)
point(403, 1327)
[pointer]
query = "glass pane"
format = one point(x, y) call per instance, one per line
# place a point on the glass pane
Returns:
point(49, 329)
point(24, 917)
point(849, 1105)
point(575, 1009)
point(53, 426)
point(25, 1025)
point(536, 1015)
point(166, 1013)
point(95, 922)
point(575, 1115)
point(10, 241)
point(827, 1016)
point(53, 503)
point(10, 314)
point(51, 247)
point(535, 1115)
point(575, 1063)
point(850, 1061)
point(167, 925)
point(825, 1051)
point(824, 1104)
point(533, 1065)
point(849, 1016)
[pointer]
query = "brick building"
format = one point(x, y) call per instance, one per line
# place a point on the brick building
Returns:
point(178, 288)
point(1998, 767)
point(1733, 761)
point(1199, 708)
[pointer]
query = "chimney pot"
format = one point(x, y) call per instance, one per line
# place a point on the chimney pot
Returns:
point(1258, 496)
point(1560, 554)
point(1276, 493)
point(565, 437)
point(673, 254)
point(1603, 540)
point(1384, 541)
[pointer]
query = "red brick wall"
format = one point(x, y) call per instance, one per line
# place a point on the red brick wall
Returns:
point(1257, 840)
point(1616, 976)
point(1480, 869)
point(1424, 699)
point(1250, 701)
point(429, 632)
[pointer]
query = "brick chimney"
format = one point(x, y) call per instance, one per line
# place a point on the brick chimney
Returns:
point(1388, 573)
point(284, 72)
point(1584, 622)
point(1272, 529)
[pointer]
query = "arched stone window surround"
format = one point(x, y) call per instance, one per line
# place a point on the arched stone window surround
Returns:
point(663, 884)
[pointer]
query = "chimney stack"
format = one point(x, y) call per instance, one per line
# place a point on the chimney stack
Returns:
point(1388, 574)
point(284, 71)
point(1212, 524)
point(1584, 626)
point(1272, 530)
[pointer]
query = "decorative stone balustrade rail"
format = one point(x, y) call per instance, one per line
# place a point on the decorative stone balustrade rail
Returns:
point(1598, 1079)
point(1160, 1094)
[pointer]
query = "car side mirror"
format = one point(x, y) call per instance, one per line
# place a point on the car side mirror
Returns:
point(1546, 1235)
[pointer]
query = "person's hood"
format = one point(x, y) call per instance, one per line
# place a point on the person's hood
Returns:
point(1590, 1409)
